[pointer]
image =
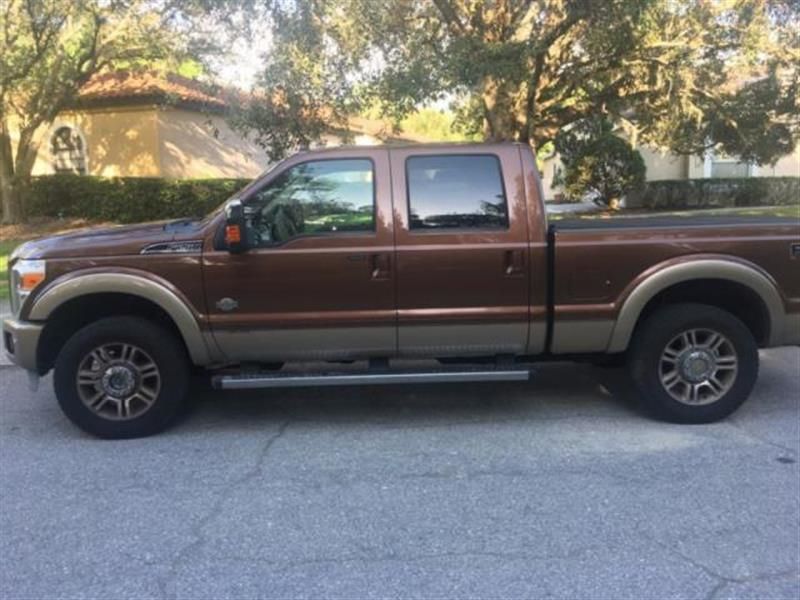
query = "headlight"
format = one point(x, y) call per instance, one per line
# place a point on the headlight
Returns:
point(26, 275)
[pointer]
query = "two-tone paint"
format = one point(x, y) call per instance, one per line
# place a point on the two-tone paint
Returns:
point(527, 290)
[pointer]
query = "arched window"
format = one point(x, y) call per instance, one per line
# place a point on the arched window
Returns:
point(68, 151)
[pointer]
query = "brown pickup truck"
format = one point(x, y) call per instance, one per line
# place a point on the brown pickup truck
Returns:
point(356, 258)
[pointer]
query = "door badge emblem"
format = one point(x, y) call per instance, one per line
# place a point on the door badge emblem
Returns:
point(227, 304)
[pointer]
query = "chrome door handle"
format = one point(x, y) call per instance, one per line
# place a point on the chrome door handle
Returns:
point(514, 263)
point(380, 267)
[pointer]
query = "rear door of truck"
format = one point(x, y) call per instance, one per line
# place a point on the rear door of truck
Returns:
point(461, 250)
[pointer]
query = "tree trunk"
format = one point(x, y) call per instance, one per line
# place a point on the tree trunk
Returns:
point(15, 172)
point(9, 197)
point(500, 119)
point(12, 212)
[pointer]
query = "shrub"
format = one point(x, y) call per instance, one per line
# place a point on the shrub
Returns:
point(125, 199)
point(598, 163)
point(716, 193)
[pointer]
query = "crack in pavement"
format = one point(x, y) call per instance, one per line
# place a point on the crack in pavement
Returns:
point(723, 581)
point(285, 565)
point(760, 439)
point(216, 509)
point(714, 593)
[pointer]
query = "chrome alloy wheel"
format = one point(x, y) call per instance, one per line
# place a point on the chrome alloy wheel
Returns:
point(118, 381)
point(698, 366)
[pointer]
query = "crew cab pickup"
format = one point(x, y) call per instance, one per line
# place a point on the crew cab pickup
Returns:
point(354, 259)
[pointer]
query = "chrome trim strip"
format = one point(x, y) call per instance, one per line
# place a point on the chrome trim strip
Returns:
point(233, 382)
point(182, 247)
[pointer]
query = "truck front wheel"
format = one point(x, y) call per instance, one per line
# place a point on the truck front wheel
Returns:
point(693, 363)
point(121, 377)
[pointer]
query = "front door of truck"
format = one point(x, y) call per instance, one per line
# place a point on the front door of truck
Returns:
point(318, 280)
point(462, 251)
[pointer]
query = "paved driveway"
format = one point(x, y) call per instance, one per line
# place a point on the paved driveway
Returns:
point(553, 488)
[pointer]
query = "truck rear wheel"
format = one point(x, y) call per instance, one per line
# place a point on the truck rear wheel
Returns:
point(693, 363)
point(121, 377)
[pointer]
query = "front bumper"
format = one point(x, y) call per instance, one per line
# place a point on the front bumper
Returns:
point(21, 341)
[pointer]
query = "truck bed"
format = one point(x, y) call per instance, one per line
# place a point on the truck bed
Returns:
point(596, 263)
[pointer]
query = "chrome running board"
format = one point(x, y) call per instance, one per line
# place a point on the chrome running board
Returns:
point(296, 379)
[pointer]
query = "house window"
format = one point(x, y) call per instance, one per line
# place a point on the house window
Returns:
point(68, 150)
point(723, 166)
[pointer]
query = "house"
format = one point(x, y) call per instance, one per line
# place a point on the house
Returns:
point(661, 166)
point(146, 124)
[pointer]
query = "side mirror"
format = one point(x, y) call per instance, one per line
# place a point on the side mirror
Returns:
point(235, 227)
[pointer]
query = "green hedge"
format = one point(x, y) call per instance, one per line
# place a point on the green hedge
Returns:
point(125, 199)
point(716, 193)
point(137, 199)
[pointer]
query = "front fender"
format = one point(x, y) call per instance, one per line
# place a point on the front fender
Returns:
point(144, 286)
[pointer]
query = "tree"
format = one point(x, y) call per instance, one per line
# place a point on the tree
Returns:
point(598, 163)
point(686, 73)
point(49, 48)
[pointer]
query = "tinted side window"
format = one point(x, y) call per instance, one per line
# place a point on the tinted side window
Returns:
point(318, 197)
point(456, 191)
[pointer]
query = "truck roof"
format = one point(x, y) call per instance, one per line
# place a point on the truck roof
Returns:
point(398, 146)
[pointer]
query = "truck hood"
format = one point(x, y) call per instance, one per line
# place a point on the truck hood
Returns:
point(109, 241)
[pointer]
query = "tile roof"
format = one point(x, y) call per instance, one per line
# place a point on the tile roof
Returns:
point(148, 86)
point(132, 87)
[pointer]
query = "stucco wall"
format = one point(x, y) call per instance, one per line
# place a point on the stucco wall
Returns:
point(787, 166)
point(196, 145)
point(663, 166)
point(669, 166)
point(119, 142)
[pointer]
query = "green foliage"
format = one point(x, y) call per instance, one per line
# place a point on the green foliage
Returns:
point(435, 125)
point(598, 163)
point(717, 193)
point(684, 73)
point(126, 199)
point(50, 48)
point(6, 247)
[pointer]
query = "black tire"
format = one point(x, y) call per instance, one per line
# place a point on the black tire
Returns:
point(651, 339)
point(159, 344)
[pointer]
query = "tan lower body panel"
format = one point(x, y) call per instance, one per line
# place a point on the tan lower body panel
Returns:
point(329, 343)
point(579, 336)
point(791, 331)
point(462, 339)
point(537, 336)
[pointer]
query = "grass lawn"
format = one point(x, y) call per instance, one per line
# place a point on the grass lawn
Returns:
point(6, 246)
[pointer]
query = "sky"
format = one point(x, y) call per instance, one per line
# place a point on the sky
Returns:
point(240, 66)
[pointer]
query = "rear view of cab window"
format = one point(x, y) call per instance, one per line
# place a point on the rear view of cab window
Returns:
point(456, 192)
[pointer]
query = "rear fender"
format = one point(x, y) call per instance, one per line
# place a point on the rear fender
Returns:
point(665, 275)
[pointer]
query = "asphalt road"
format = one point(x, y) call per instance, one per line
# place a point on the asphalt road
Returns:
point(556, 488)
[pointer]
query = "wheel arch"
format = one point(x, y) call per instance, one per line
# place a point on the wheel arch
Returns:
point(681, 279)
point(121, 293)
